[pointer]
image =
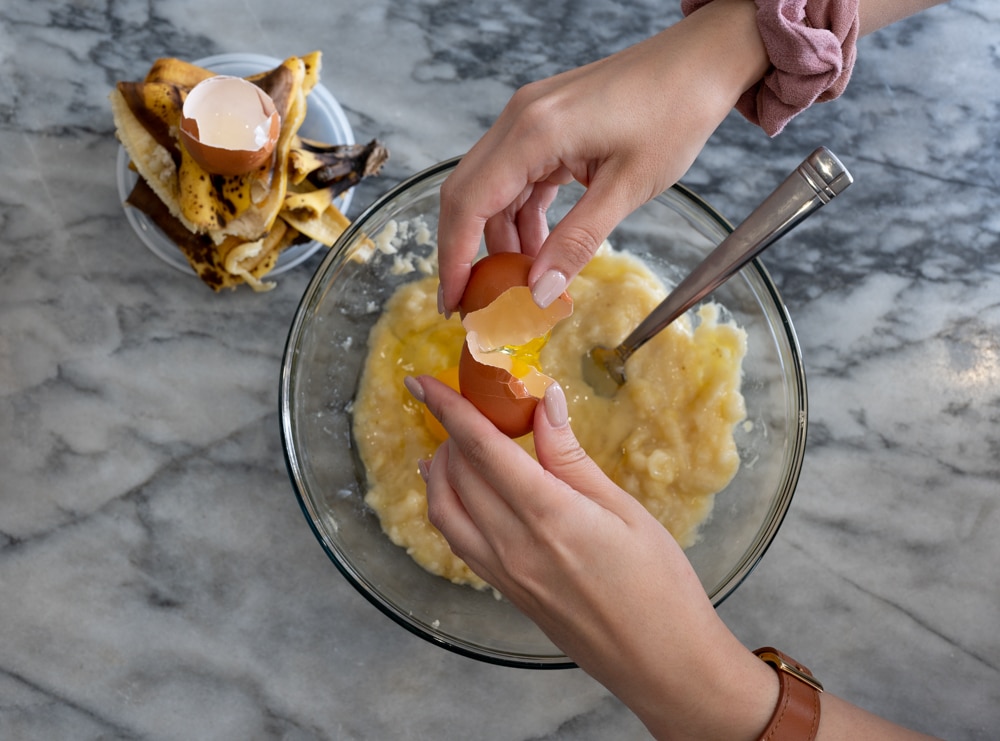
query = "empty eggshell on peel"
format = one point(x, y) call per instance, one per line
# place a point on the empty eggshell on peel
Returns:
point(505, 330)
point(229, 126)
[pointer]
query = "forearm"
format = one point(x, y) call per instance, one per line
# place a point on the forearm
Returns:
point(840, 719)
point(738, 694)
point(876, 14)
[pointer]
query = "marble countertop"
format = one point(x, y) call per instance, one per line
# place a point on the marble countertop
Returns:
point(157, 577)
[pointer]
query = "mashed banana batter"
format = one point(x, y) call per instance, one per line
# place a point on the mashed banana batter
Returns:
point(666, 437)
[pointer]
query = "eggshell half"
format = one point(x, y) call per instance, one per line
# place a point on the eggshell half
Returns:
point(229, 126)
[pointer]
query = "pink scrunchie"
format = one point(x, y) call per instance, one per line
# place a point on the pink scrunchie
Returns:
point(812, 48)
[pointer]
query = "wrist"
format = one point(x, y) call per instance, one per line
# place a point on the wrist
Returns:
point(811, 47)
point(733, 53)
point(728, 694)
point(748, 696)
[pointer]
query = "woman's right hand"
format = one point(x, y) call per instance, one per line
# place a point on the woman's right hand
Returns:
point(626, 127)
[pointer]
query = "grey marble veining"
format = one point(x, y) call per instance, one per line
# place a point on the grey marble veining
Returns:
point(157, 579)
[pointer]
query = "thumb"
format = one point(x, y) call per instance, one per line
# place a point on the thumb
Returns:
point(560, 453)
point(578, 235)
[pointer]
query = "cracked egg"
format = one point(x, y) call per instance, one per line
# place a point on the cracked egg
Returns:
point(499, 370)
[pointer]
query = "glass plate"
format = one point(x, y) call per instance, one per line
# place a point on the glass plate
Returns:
point(325, 121)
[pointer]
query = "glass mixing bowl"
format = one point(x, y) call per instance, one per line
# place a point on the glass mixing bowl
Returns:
point(326, 351)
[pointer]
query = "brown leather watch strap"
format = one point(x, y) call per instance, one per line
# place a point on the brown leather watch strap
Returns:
point(796, 717)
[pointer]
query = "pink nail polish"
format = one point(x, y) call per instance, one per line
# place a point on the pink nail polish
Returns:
point(548, 288)
point(441, 310)
point(555, 405)
point(415, 388)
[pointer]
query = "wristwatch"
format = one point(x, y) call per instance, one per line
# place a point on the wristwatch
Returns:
point(796, 717)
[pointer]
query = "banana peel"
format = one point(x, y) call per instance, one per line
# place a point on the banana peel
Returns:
point(226, 265)
point(243, 205)
point(339, 165)
point(177, 72)
point(314, 214)
point(232, 229)
point(147, 117)
point(285, 86)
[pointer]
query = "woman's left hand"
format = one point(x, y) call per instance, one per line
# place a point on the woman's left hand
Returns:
point(585, 561)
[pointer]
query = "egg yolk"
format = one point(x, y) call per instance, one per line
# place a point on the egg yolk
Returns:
point(525, 357)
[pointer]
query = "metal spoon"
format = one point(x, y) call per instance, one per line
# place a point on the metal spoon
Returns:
point(814, 183)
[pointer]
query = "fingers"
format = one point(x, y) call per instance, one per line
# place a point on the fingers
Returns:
point(500, 189)
point(475, 518)
point(492, 181)
point(487, 467)
point(482, 457)
point(460, 230)
point(608, 199)
point(447, 513)
point(523, 226)
point(468, 201)
point(560, 454)
point(481, 453)
point(556, 446)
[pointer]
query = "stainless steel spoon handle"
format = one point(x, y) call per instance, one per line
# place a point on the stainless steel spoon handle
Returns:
point(814, 183)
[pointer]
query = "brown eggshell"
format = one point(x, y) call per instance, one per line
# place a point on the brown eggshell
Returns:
point(501, 398)
point(495, 316)
point(217, 94)
point(492, 275)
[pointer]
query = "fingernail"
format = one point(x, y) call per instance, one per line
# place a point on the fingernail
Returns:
point(424, 466)
point(414, 387)
point(555, 405)
point(548, 288)
point(441, 310)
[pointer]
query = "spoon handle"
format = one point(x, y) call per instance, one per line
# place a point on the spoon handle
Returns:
point(814, 183)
